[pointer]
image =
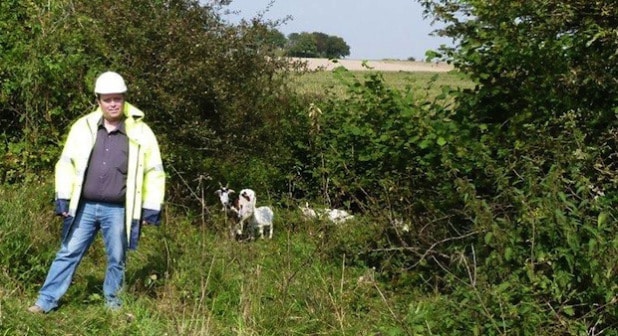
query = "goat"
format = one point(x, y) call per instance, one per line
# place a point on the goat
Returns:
point(224, 197)
point(333, 215)
point(257, 218)
point(230, 208)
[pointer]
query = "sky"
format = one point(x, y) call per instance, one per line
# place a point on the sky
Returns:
point(374, 29)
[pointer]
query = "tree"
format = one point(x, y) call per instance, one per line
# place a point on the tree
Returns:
point(275, 38)
point(317, 44)
point(545, 105)
point(533, 59)
point(302, 45)
point(321, 42)
point(336, 47)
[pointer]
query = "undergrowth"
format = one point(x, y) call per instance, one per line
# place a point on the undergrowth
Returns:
point(187, 278)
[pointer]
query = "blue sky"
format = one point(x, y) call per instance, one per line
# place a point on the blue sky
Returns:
point(374, 29)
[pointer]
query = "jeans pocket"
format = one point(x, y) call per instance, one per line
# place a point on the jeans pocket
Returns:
point(67, 222)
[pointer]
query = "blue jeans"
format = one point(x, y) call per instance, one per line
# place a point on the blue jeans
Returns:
point(90, 217)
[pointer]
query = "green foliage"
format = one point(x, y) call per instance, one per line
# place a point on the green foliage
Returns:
point(378, 141)
point(487, 208)
point(533, 59)
point(535, 197)
point(302, 45)
point(21, 159)
point(211, 91)
point(524, 227)
point(316, 45)
point(545, 230)
point(335, 47)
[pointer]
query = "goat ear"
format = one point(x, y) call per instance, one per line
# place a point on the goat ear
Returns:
point(230, 191)
point(218, 192)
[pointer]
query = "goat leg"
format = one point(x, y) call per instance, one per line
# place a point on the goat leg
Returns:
point(240, 227)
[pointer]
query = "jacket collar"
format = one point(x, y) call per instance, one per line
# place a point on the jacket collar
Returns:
point(133, 118)
point(131, 111)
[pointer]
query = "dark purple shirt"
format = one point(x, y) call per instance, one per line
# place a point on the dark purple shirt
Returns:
point(106, 176)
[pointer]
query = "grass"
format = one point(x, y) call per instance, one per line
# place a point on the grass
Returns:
point(186, 278)
point(427, 84)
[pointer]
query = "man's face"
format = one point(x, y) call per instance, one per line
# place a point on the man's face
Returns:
point(112, 106)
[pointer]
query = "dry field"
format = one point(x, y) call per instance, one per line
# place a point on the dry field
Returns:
point(377, 65)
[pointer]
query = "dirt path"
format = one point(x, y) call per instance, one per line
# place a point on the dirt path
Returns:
point(379, 65)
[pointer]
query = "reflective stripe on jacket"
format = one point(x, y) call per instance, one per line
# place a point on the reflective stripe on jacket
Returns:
point(145, 176)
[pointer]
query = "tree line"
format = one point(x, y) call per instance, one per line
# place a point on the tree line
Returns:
point(311, 45)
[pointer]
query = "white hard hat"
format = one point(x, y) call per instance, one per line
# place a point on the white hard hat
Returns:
point(109, 82)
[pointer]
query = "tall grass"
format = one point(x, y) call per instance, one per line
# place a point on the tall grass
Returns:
point(188, 279)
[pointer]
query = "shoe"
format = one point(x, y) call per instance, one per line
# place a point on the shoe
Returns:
point(36, 310)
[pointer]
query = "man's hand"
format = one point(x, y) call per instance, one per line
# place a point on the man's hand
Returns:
point(151, 217)
point(62, 207)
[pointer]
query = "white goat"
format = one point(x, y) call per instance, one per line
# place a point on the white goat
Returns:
point(333, 215)
point(257, 218)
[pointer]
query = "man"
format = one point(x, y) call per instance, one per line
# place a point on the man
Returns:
point(109, 178)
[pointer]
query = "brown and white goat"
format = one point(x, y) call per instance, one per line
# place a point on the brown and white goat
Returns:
point(230, 207)
point(243, 212)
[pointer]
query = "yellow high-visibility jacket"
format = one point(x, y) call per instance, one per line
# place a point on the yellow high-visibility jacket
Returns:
point(145, 187)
